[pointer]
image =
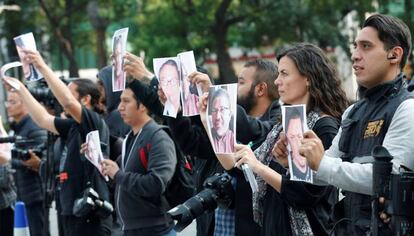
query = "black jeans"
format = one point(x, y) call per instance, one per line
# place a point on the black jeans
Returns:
point(36, 217)
point(86, 226)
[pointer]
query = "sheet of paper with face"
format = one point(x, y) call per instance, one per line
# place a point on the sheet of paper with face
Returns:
point(94, 152)
point(189, 92)
point(167, 70)
point(119, 42)
point(221, 117)
point(27, 42)
point(294, 125)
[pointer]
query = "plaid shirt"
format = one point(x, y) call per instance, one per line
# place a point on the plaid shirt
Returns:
point(7, 191)
point(225, 219)
point(224, 222)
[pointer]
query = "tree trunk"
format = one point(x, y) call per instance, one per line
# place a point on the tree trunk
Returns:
point(408, 15)
point(220, 29)
point(66, 47)
point(225, 65)
point(101, 57)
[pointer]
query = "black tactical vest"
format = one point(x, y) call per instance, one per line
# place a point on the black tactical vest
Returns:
point(365, 127)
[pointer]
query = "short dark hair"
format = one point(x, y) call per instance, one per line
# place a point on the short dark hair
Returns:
point(170, 62)
point(392, 32)
point(266, 71)
point(134, 93)
point(87, 87)
point(292, 113)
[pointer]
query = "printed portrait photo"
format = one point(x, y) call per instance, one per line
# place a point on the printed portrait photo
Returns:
point(119, 41)
point(27, 42)
point(189, 91)
point(221, 121)
point(167, 70)
point(294, 125)
point(94, 153)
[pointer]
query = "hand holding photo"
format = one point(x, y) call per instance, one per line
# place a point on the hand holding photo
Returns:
point(168, 73)
point(221, 121)
point(119, 41)
point(27, 42)
point(93, 152)
point(294, 125)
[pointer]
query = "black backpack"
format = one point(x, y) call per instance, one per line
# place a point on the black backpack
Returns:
point(181, 187)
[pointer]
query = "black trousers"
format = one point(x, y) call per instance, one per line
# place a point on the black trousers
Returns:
point(6, 221)
point(159, 230)
point(36, 217)
point(86, 226)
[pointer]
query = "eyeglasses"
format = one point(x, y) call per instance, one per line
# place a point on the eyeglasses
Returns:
point(168, 81)
point(221, 109)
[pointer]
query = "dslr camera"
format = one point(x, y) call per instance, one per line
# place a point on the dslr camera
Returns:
point(91, 202)
point(218, 191)
point(22, 146)
point(21, 153)
point(398, 191)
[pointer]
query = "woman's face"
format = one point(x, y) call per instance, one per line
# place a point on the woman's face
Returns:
point(292, 86)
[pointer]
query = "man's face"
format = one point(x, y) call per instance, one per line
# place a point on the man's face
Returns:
point(221, 114)
point(128, 108)
point(22, 56)
point(369, 58)
point(15, 107)
point(245, 89)
point(294, 136)
point(117, 60)
point(169, 81)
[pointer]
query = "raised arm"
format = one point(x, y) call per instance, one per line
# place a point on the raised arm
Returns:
point(62, 93)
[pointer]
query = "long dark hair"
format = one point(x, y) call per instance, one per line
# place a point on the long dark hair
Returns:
point(325, 87)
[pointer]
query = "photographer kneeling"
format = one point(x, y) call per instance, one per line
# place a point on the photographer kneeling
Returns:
point(80, 101)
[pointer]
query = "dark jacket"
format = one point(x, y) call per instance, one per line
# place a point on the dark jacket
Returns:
point(116, 125)
point(7, 189)
point(28, 182)
point(140, 201)
point(256, 129)
point(375, 109)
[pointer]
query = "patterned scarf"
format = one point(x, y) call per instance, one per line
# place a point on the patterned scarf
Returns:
point(299, 222)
